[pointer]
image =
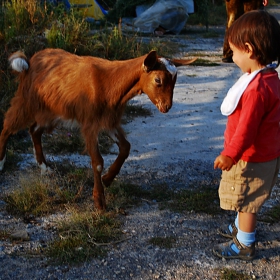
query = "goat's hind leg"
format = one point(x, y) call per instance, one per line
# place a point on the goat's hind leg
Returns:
point(124, 148)
point(36, 135)
point(16, 118)
point(13, 122)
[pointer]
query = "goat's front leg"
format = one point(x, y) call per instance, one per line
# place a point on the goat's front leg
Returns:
point(97, 163)
point(124, 148)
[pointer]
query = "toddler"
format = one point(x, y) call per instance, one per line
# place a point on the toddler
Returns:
point(250, 160)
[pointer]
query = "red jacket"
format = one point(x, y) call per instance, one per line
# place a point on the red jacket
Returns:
point(253, 129)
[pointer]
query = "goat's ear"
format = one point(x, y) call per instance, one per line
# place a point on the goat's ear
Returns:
point(150, 61)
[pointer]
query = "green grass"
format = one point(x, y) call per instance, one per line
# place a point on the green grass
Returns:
point(204, 62)
point(200, 200)
point(36, 195)
point(271, 216)
point(230, 274)
point(83, 235)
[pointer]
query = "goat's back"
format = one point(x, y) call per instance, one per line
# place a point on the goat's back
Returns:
point(62, 85)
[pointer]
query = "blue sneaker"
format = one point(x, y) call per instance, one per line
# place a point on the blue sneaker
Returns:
point(225, 250)
point(225, 232)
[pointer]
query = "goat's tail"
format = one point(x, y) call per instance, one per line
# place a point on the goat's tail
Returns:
point(18, 61)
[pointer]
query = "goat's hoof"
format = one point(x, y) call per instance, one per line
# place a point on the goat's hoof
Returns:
point(45, 170)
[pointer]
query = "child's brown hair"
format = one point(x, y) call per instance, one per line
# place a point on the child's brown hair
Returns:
point(262, 31)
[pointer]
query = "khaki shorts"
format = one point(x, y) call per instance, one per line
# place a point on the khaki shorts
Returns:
point(248, 185)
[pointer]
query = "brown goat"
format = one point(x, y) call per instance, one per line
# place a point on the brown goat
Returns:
point(56, 86)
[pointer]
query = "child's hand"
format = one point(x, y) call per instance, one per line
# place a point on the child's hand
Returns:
point(223, 162)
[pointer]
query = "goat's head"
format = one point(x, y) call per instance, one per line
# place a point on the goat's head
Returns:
point(158, 81)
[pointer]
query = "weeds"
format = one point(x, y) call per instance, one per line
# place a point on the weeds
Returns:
point(204, 62)
point(70, 33)
point(272, 215)
point(229, 274)
point(4, 235)
point(63, 140)
point(83, 235)
point(121, 195)
point(43, 195)
point(203, 199)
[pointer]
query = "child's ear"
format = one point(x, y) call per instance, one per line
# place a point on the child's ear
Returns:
point(248, 48)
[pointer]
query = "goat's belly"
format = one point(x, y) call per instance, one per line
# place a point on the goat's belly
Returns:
point(59, 122)
point(69, 124)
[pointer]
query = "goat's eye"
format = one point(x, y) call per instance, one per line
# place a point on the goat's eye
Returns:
point(158, 81)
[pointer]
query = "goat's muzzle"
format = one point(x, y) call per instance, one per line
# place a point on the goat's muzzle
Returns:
point(163, 108)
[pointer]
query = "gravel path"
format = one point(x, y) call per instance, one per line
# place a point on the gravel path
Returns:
point(177, 148)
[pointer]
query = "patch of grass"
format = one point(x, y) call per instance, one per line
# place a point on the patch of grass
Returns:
point(202, 199)
point(204, 62)
point(38, 195)
point(272, 215)
point(230, 274)
point(137, 111)
point(70, 32)
point(84, 232)
point(4, 235)
point(167, 242)
point(121, 195)
point(83, 235)
point(132, 111)
point(63, 140)
point(12, 158)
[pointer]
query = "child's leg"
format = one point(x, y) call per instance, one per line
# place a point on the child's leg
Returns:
point(247, 221)
point(246, 228)
point(252, 194)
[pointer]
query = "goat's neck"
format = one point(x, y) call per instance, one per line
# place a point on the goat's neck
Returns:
point(125, 80)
